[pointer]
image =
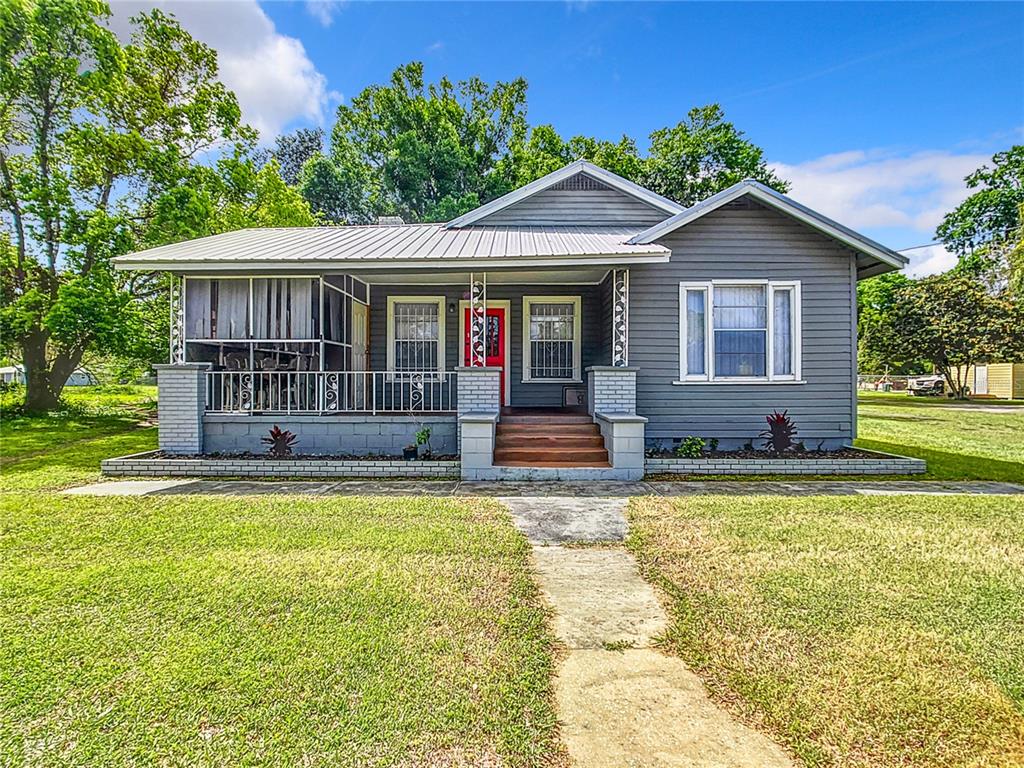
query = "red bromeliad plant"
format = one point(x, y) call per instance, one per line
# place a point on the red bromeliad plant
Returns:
point(781, 430)
point(280, 442)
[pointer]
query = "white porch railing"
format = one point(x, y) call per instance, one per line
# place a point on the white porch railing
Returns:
point(330, 392)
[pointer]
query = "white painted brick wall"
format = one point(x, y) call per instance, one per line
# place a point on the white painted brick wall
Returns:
point(611, 390)
point(181, 401)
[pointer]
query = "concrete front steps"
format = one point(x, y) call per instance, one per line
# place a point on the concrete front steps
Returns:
point(554, 439)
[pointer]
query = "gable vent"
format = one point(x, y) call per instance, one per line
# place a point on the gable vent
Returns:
point(580, 182)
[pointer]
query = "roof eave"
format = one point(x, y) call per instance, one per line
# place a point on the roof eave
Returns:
point(313, 265)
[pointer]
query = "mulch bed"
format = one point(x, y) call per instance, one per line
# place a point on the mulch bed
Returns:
point(841, 453)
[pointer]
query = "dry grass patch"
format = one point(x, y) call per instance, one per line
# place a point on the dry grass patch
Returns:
point(860, 631)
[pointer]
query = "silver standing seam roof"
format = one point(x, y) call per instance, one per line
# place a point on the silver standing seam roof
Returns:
point(407, 245)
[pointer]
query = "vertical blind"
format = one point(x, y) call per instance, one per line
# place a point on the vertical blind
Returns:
point(552, 340)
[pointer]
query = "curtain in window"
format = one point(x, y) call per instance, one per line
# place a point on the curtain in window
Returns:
point(417, 336)
point(552, 342)
point(782, 331)
point(283, 308)
point(232, 308)
point(740, 318)
point(695, 324)
point(197, 309)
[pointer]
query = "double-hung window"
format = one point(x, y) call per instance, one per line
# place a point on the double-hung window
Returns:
point(415, 334)
point(551, 338)
point(739, 331)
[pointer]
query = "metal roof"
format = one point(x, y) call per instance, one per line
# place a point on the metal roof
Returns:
point(409, 245)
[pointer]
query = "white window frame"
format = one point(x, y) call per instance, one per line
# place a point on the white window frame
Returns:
point(709, 376)
point(577, 338)
point(392, 301)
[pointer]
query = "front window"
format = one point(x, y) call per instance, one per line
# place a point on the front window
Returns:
point(415, 334)
point(551, 338)
point(750, 333)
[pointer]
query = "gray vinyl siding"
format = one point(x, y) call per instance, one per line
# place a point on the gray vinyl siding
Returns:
point(746, 240)
point(522, 393)
point(583, 207)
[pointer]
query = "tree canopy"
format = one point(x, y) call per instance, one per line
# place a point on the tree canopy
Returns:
point(430, 152)
point(105, 147)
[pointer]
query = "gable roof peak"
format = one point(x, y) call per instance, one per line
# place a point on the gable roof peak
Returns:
point(613, 180)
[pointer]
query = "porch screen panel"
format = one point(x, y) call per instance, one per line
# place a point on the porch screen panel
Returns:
point(740, 320)
point(230, 299)
point(283, 308)
point(198, 311)
point(417, 336)
point(552, 342)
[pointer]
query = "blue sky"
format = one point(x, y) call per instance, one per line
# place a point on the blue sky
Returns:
point(874, 111)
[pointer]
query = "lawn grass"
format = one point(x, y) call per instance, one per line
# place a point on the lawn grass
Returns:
point(65, 447)
point(269, 631)
point(957, 443)
point(859, 631)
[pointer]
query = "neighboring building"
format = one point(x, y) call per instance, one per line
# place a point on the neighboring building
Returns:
point(15, 374)
point(1002, 380)
point(580, 288)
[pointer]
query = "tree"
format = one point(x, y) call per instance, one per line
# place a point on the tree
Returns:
point(99, 153)
point(954, 322)
point(703, 155)
point(293, 150)
point(545, 151)
point(429, 148)
point(876, 302)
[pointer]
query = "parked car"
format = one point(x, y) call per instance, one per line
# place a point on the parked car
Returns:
point(927, 385)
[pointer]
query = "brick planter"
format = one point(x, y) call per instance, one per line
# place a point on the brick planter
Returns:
point(878, 464)
point(149, 465)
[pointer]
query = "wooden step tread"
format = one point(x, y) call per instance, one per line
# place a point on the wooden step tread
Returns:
point(555, 464)
point(549, 429)
point(550, 454)
point(552, 419)
point(564, 442)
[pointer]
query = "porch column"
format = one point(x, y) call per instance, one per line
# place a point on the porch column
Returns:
point(611, 400)
point(620, 318)
point(181, 402)
point(477, 319)
point(479, 394)
point(177, 337)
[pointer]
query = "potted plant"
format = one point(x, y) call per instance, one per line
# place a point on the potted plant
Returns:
point(409, 452)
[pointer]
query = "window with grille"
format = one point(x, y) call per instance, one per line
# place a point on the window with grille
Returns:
point(415, 334)
point(551, 343)
point(731, 331)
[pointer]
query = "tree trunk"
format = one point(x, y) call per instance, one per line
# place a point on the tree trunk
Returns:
point(39, 393)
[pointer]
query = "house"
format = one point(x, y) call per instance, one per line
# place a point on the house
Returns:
point(556, 331)
point(15, 374)
point(1001, 380)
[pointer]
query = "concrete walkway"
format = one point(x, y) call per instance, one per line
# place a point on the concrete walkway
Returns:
point(547, 490)
point(620, 701)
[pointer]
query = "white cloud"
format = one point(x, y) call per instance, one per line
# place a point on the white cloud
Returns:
point(929, 260)
point(436, 46)
point(875, 188)
point(323, 11)
point(271, 74)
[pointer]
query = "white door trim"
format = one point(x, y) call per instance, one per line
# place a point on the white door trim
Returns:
point(506, 371)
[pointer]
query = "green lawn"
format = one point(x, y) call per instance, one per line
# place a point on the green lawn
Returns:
point(65, 447)
point(255, 631)
point(957, 442)
point(859, 631)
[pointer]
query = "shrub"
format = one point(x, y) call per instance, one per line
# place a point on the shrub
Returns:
point(779, 435)
point(280, 442)
point(690, 447)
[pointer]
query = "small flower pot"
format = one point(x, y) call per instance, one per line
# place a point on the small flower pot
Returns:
point(409, 452)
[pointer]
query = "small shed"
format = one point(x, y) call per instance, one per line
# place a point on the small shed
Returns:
point(1001, 380)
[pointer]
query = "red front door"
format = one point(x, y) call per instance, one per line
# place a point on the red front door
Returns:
point(494, 342)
